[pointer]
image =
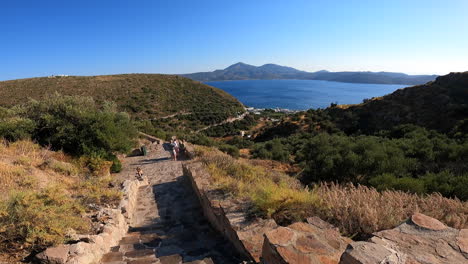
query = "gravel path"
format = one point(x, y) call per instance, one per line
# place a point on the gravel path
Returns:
point(168, 225)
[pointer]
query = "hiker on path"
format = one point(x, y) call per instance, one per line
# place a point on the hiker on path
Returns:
point(175, 148)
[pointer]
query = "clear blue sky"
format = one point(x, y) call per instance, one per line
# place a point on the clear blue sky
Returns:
point(84, 37)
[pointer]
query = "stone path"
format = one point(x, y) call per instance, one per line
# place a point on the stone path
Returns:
point(168, 226)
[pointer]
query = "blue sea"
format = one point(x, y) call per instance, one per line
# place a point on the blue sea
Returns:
point(301, 94)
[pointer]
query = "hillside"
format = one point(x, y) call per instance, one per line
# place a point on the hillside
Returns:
point(438, 105)
point(415, 140)
point(142, 95)
point(242, 71)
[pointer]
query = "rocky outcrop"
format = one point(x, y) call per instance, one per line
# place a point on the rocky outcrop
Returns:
point(419, 240)
point(228, 216)
point(90, 248)
point(314, 242)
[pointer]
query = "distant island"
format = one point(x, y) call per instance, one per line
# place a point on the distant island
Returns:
point(242, 71)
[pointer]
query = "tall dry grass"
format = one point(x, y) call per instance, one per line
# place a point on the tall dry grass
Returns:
point(26, 152)
point(10, 174)
point(360, 210)
point(21, 160)
point(45, 194)
point(272, 194)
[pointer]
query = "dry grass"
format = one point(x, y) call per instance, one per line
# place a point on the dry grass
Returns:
point(10, 174)
point(24, 164)
point(96, 191)
point(45, 194)
point(360, 210)
point(34, 220)
point(272, 194)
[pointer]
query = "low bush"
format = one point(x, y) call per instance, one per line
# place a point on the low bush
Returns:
point(96, 164)
point(240, 142)
point(116, 164)
point(16, 128)
point(231, 150)
point(273, 149)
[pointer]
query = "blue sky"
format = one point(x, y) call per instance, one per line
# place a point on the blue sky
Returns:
point(40, 38)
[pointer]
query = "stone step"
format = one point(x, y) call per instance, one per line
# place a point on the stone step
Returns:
point(168, 226)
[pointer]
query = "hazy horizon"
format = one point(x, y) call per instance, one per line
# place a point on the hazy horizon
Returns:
point(112, 37)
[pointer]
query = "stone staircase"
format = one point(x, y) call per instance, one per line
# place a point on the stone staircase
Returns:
point(168, 225)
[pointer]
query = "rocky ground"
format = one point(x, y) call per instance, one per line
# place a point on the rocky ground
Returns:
point(168, 226)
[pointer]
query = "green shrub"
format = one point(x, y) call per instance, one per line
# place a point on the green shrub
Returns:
point(202, 140)
point(16, 128)
point(97, 164)
point(116, 164)
point(272, 149)
point(390, 182)
point(231, 150)
point(240, 142)
point(79, 126)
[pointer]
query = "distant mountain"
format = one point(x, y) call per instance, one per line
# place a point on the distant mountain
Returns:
point(242, 71)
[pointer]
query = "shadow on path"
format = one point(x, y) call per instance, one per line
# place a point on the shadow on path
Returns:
point(184, 230)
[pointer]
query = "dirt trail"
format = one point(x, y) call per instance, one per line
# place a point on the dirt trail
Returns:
point(229, 120)
point(168, 226)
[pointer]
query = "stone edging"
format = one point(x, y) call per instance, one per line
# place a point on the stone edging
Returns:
point(91, 248)
point(228, 216)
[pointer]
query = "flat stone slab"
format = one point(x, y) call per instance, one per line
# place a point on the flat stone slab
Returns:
point(419, 240)
point(316, 242)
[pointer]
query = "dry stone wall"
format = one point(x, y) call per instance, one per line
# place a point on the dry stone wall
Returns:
point(227, 215)
point(91, 248)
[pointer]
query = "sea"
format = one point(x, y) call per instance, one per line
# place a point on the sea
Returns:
point(301, 94)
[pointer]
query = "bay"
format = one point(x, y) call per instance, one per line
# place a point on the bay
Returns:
point(301, 94)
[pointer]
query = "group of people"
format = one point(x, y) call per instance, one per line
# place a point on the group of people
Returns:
point(176, 148)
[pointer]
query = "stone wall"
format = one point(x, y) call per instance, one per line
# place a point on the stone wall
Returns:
point(227, 215)
point(90, 248)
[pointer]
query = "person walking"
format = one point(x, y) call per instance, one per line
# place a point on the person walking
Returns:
point(175, 148)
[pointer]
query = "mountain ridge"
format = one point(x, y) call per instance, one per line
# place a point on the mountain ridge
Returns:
point(243, 71)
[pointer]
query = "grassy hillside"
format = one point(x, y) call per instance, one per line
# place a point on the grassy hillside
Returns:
point(415, 139)
point(440, 105)
point(142, 95)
